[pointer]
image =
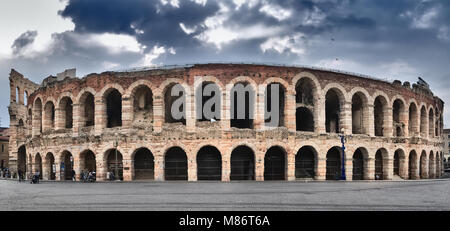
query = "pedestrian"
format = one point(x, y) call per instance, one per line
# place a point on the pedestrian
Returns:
point(73, 175)
point(20, 174)
point(37, 174)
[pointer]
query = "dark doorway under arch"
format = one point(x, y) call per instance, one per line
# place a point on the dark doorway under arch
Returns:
point(176, 164)
point(209, 164)
point(275, 164)
point(305, 162)
point(144, 165)
point(242, 164)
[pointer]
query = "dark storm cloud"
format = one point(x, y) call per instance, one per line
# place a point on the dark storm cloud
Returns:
point(160, 23)
point(23, 40)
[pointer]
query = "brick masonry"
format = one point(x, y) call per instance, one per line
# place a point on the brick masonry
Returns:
point(41, 132)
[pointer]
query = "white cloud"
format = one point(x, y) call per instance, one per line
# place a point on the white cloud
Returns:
point(186, 29)
point(291, 43)
point(422, 20)
point(219, 33)
point(250, 3)
point(399, 69)
point(200, 2)
point(174, 3)
point(155, 53)
point(41, 16)
point(276, 11)
point(115, 43)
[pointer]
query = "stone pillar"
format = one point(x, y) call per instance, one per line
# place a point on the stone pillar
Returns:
point(291, 166)
point(127, 112)
point(404, 173)
point(432, 171)
point(259, 165)
point(77, 166)
point(159, 167)
point(369, 169)
point(60, 118)
point(346, 118)
point(370, 120)
point(388, 168)
point(36, 122)
point(290, 110)
point(158, 113)
point(192, 168)
point(321, 170)
point(319, 115)
point(77, 120)
point(190, 112)
point(225, 111)
point(226, 168)
point(259, 109)
point(387, 125)
point(348, 167)
point(127, 169)
point(100, 116)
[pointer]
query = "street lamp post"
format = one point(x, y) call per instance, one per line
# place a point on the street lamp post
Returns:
point(343, 140)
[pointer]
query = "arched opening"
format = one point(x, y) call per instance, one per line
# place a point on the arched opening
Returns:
point(208, 102)
point(66, 165)
point(398, 123)
point(49, 116)
point(242, 103)
point(66, 106)
point(379, 165)
point(25, 98)
point(431, 168)
point(209, 164)
point(359, 103)
point(113, 108)
point(275, 164)
point(304, 99)
point(115, 163)
point(17, 99)
point(333, 164)
point(49, 168)
point(242, 164)
point(175, 100)
point(274, 105)
point(332, 112)
point(423, 165)
point(144, 165)
point(304, 119)
point(379, 114)
point(176, 164)
point(413, 126)
point(412, 165)
point(142, 105)
point(431, 123)
point(22, 160)
point(423, 121)
point(88, 162)
point(87, 108)
point(305, 163)
point(38, 165)
point(358, 165)
point(37, 122)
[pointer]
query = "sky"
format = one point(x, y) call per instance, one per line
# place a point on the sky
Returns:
point(401, 39)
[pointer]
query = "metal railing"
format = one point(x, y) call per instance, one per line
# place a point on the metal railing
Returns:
point(176, 66)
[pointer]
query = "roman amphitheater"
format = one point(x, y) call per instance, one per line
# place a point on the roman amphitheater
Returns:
point(122, 120)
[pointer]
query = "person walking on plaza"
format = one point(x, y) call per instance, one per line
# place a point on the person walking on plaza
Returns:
point(73, 175)
point(20, 174)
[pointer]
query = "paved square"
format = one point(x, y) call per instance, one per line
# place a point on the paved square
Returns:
point(380, 195)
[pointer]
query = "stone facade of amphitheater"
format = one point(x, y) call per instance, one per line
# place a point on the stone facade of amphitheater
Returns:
point(392, 130)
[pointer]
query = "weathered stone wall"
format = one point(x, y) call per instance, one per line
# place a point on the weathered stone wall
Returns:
point(45, 139)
